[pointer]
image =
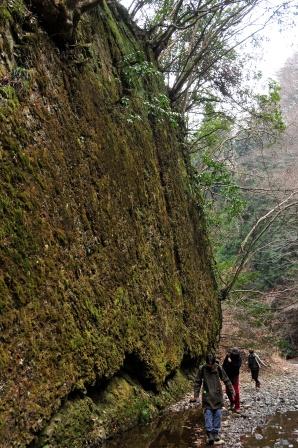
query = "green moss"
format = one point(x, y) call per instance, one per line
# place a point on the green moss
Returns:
point(178, 288)
point(121, 41)
point(121, 297)
point(93, 309)
point(23, 80)
point(77, 342)
point(72, 424)
point(5, 15)
point(123, 404)
point(8, 92)
point(17, 9)
point(8, 101)
point(4, 358)
point(93, 214)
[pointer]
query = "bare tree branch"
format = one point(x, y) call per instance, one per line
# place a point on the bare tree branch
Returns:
point(248, 246)
point(263, 218)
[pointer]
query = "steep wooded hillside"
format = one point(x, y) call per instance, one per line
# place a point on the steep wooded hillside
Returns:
point(104, 264)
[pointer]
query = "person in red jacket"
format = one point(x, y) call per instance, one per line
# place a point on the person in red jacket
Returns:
point(231, 366)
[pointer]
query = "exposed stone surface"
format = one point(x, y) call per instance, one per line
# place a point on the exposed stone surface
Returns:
point(104, 262)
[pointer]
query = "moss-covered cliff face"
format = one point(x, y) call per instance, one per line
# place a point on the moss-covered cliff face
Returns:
point(104, 265)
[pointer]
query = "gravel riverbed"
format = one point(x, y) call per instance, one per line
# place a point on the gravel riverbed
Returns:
point(278, 394)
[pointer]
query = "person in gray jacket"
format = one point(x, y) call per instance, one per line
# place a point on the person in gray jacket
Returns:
point(210, 376)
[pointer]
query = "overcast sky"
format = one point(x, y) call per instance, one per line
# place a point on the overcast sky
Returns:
point(277, 48)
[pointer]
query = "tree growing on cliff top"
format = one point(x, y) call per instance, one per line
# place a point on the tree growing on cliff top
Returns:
point(195, 42)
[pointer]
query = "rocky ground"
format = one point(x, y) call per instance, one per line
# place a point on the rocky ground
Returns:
point(182, 426)
point(278, 394)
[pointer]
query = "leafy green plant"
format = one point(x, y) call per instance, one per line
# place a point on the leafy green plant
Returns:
point(158, 107)
point(286, 348)
point(145, 414)
point(136, 66)
point(260, 312)
point(269, 107)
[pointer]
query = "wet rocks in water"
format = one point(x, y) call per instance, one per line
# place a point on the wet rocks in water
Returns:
point(258, 436)
point(278, 395)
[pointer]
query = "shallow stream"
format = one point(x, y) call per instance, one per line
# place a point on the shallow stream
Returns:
point(185, 430)
point(268, 419)
point(281, 430)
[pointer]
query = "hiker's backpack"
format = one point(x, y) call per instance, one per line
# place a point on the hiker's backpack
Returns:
point(252, 362)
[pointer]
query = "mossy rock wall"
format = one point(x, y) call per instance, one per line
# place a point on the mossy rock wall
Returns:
point(103, 256)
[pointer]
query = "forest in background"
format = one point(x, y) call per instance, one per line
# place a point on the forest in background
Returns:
point(252, 209)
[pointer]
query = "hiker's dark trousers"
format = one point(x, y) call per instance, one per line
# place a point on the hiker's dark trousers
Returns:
point(255, 376)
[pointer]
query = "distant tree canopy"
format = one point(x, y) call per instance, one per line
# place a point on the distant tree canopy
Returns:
point(251, 198)
point(195, 43)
